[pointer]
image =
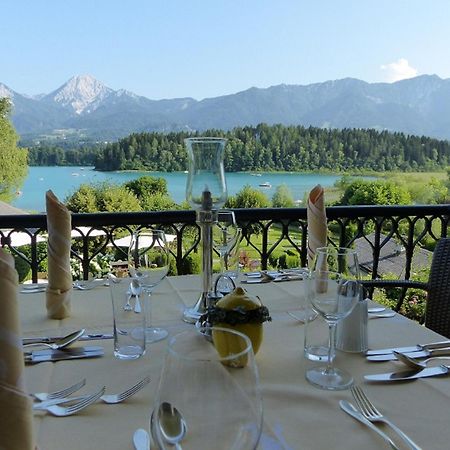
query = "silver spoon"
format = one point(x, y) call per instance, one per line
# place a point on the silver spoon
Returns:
point(135, 288)
point(61, 342)
point(376, 309)
point(141, 439)
point(414, 363)
point(171, 424)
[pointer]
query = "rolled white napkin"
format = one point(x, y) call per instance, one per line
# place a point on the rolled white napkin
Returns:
point(16, 415)
point(317, 222)
point(59, 289)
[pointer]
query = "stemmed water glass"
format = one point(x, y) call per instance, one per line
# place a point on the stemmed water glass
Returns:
point(148, 261)
point(226, 239)
point(333, 288)
point(208, 394)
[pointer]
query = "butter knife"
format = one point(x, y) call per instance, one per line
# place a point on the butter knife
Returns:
point(413, 348)
point(38, 356)
point(409, 374)
point(421, 354)
point(277, 279)
point(352, 411)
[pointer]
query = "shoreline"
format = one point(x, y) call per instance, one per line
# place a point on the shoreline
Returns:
point(364, 173)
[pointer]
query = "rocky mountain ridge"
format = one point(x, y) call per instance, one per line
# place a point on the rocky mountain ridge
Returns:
point(84, 106)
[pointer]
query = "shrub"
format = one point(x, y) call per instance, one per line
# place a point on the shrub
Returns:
point(286, 261)
point(191, 264)
point(23, 268)
point(413, 305)
point(274, 258)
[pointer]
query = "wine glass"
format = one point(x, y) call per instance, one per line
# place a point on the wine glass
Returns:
point(213, 393)
point(148, 261)
point(226, 239)
point(333, 288)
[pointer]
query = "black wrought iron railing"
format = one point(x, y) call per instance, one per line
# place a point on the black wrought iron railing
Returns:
point(268, 234)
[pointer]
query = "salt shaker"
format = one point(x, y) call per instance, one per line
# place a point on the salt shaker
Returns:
point(351, 332)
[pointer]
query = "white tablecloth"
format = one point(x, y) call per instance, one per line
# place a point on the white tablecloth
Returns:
point(297, 415)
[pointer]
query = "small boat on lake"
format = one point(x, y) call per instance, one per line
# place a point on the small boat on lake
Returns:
point(266, 184)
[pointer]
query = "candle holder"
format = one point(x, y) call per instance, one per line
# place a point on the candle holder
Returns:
point(206, 192)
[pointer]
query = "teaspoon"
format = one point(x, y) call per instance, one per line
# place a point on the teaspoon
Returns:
point(135, 288)
point(141, 439)
point(414, 363)
point(61, 342)
point(171, 424)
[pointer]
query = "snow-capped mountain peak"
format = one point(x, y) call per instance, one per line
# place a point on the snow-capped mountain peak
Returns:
point(81, 92)
point(5, 91)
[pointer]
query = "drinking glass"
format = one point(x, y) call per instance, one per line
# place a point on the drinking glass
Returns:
point(230, 266)
point(333, 288)
point(148, 261)
point(215, 390)
point(226, 239)
point(129, 341)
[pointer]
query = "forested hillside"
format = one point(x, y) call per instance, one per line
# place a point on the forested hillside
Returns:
point(277, 147)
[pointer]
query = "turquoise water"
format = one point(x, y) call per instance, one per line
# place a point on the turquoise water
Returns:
point(65, 180)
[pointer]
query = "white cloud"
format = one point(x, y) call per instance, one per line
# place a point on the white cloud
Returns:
point(398, 70)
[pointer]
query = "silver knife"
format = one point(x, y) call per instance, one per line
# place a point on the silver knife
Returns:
point(66, 351)
point(413, 348)
point(58, 355)
point(352, 411)
point(422, 354)
point(85, 337)
point(409, 374)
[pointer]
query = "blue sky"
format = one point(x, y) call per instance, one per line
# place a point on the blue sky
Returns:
point(207, 48)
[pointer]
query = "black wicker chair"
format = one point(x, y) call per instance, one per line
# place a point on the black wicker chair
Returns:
point(437, 312)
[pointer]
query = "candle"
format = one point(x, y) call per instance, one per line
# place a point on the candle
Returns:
point(207, 202)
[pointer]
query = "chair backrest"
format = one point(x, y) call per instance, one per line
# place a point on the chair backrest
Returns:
point(437, 313)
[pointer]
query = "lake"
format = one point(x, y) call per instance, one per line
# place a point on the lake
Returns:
point(65, 180)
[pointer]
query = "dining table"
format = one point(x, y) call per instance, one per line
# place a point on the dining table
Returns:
point(297, 415)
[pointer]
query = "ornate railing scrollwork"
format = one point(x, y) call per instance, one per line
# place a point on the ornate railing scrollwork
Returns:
point(266, 231)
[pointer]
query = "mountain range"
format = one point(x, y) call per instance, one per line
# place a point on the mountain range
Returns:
point(85, 107)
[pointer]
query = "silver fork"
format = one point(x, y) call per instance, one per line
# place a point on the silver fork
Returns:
point(371, 413)
point(63, 411)
point(107, 398)
point(60, 394)
point(117, 398)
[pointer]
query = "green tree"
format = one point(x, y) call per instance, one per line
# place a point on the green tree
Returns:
point(146, 185)
point(282, 198)
point(362, 192)
point(264, 147)
point(13, 160)
point(248, 197)
point(83, 200)
point(103, 197)
point(157, 202)
point(431, 193)
point(115, 198)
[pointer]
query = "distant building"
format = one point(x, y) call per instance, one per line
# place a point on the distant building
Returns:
point(6, 209)
point(392, 257)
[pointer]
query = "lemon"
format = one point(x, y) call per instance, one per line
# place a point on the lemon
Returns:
point(235, 301)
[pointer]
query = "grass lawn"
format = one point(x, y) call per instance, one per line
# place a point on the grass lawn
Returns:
point(417, 183)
